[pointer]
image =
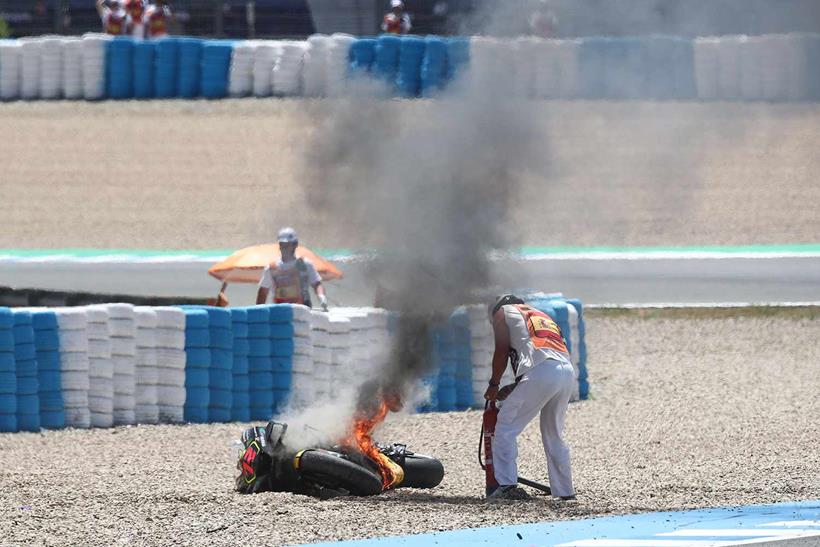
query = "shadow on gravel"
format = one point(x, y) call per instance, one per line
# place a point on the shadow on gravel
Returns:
point(420, 497)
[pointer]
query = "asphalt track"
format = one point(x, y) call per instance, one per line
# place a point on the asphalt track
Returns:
point(596, 278)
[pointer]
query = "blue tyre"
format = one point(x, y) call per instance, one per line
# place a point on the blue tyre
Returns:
point(238, 315)
point(240, 365)
point(258, 347)
point(48, 360)
point(51, 401)
point(221, 379)
point(46, 340)
point(28, 404)
point(260, 381)
point(281, 331)
point(281, 313)
point(8, 423)
point(196, 319)
point(6, 318)
point(195, 414)
point(28, 422)
point(6, 340)
point(282, 365)
point(240, 330)
point(282, 380)
point(219, 415)
point(52, 419)
point(282, 348)
point(8, 383)
point(197, 358)
point(258, 330)
point(7, 362)
point(259, 364)
point(25, 352)
point(28, 385)
point(198, 337)
point(241, 347)
point(49, 380)
point(257, 314)
point(241, 383)
point(44, 321)
point(197, 378)
point(23, 334)
point(8, 403)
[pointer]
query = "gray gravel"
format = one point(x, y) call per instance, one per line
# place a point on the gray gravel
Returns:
point(227, 174)
point(686, 413)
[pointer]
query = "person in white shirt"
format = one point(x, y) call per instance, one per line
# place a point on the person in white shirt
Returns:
point(157, 19)
point(544, 381)
point(136, 18)
point(290, 279)
point(396, 21)
point(114, 18)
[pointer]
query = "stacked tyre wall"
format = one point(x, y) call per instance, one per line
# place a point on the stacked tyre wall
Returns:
point(770, 67)
point(117, 364)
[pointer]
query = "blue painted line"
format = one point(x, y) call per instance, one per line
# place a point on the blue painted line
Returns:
point(720, 527)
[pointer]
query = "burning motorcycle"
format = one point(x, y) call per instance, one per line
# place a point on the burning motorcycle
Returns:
point(266, 464)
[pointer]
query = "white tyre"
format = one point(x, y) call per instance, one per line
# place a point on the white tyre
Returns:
point(146, 338)
point(102, 419)
point(169, 338)
point(73, 340)
point(100, 368)
point(124, 364)
point(73, 379)
point(146, 376)
point(71, 318)
point(101, 387)
point(322, 355)
point(171, 414)
point(146, 395)
point(101, 405)
point(74, 361)
point(98, 331)
point(99, 349)
point(73, 398)
point(126, 347)
point(146, 357)
point(302, 346)
point(145, 317)
point(124, 385)
point(171, 358)
point(96, 314)
point(146, 414)
point(123, 328)
point(120, 311)
point(124, 417)
point(303, 363)
point(78, 417)
point(170, 377)
point(170, 396)
point(170, 318)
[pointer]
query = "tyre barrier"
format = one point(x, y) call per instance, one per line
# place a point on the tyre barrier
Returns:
point(775, 67)
point(117, 364)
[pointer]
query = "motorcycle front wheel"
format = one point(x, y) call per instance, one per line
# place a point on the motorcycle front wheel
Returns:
point(421, 471)
point(332, 470)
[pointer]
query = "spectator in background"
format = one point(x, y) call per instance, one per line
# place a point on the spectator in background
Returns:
point(135, 23)
point(396, 21)
point(158, 18)
point(114, 18)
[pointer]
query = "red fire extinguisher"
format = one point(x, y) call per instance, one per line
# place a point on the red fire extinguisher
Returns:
point(487, 434)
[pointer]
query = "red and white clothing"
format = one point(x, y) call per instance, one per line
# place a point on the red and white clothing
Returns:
point(396, 24)
point(136, 15)
point(287, 282)
point(114, 21)
point(545, 382)
point(157, 19)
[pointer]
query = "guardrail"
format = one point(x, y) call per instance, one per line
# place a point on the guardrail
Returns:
point(769, 67)
point(117, 364)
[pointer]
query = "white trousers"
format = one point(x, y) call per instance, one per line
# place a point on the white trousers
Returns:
point(545, 390)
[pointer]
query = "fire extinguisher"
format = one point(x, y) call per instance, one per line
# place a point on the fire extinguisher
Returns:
point(487, 434)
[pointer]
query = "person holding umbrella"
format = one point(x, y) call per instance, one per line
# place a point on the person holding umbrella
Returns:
point(290, 278)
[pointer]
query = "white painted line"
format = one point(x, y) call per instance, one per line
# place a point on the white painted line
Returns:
point(793, 523)
point(646, 543)
point(668, 305)
point(739, 532)
point(667, 255)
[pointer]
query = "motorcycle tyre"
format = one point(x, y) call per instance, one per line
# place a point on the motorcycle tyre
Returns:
point(421, 471)
point(333, 471)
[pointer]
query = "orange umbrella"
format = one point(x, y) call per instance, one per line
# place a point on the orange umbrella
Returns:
point(246, 265)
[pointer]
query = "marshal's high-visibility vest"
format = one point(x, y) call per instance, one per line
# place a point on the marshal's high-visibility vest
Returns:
point(544, 332)
point(115, 23)
point(157, 22)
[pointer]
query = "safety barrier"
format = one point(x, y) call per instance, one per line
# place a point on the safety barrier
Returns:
point(117, 364)
point(769, 67)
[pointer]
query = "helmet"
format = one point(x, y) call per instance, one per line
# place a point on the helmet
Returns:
point(396, 4)
point(287, 235)
point(503, 301)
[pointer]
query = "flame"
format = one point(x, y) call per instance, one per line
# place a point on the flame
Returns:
point(363, 426)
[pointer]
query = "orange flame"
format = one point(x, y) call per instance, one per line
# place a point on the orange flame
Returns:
point(363, 426)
